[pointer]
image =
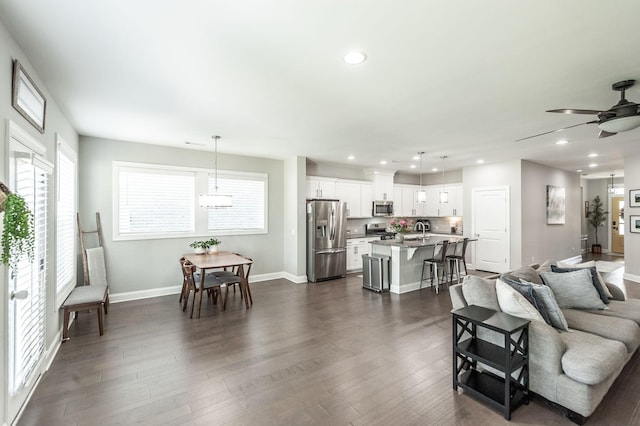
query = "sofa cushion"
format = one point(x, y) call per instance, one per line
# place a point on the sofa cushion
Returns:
point(594, 280)
point(620, 329)
point(589, 264)
point(526, 289)
point(514, 303)
point(629, 309)
point(545, 267)
point(480, 292)
point(547, 302)
point(589, 358)
point(526, 273)
point(573, 289)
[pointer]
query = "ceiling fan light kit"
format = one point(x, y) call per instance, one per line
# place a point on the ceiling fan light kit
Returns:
point(621, 117)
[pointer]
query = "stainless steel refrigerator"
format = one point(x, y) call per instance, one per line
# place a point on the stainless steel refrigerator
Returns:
point(326, 239)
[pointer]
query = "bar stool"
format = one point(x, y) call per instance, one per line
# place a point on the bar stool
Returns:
point(438, 258)
point(457, 257)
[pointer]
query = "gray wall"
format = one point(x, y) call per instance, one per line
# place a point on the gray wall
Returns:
point(55, 123)
point(294, 218)
point(151, 264)
point(539, 240)
point(631, 240)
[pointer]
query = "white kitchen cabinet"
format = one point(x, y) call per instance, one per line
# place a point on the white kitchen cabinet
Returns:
point(432, 206)
point(454, 205)
point(321, 188)
point(355, 249)
point(382, 182)
point(366, 200)
point(357, 195)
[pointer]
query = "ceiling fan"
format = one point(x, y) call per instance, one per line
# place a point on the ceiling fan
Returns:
point(621, 117)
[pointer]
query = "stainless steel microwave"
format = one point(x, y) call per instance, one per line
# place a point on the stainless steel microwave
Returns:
point(383, 208)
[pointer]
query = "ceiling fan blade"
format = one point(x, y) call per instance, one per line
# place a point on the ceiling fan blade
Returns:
point(604, 134)
point(557, 130)
point(576, 111)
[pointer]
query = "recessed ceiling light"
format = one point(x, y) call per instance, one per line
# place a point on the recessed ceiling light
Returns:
point(562, 142)
point(416, 157)
point(480, 161)
point(383, 162)
point(592, 165)
point(351, 157)
point(592, 155)
point(435, 169)
point(355, 58)
point(413, 166)
point(579, 171)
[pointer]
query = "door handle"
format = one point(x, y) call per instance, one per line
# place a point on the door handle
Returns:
point(20, 295)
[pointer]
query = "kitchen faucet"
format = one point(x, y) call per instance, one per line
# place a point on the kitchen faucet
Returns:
point(424, 229)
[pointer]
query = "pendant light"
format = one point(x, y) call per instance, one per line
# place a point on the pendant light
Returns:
point(444, 195)
point(612, 188)
point(215, 200)
point(421, 193)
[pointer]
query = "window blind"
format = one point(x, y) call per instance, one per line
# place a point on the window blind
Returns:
point(248, 210)
point(65, 223)
point(26, 317)
point(155, 201)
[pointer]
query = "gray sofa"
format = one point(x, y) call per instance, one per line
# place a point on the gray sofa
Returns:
point(574, 368)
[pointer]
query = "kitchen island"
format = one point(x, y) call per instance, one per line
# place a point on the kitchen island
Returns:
point(406, 259)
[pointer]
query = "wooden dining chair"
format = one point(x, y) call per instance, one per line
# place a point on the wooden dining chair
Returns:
point(229, 271)
point(211, 284)
point(233, 279)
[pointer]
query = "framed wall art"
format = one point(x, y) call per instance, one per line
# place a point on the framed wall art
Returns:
point(555, 205)
point(634, 198)
point(634, 224)
point(27, 99)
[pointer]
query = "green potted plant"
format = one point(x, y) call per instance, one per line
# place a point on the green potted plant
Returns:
point(201, 247)
point(596, 218)
point(18, 238)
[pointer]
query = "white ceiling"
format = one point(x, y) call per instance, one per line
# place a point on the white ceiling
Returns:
point(463, 79)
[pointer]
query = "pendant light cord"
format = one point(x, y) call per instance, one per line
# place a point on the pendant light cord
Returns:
point(215, 162)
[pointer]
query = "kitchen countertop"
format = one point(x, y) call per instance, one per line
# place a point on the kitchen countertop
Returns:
point(417, 240)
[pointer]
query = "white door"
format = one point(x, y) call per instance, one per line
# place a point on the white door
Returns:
point(490, 226)
point(26, 296)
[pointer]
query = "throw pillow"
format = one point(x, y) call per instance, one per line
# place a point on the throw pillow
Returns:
point(526, 273)
point(480, 292)
point(546, 266)
point(573, 289)
point(547, 302)
point(526, 289)
point(594, 279)
point(589, 264)
point(514, 303)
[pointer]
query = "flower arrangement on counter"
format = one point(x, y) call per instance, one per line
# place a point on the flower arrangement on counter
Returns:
point(401, 226)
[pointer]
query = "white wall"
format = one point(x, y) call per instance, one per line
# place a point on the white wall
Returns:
point(55, 123)
point(148, 265)
point(295, 219)
point(500, 174)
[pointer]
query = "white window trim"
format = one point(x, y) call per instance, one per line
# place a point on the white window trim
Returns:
point(63, 291)
point(201, 225)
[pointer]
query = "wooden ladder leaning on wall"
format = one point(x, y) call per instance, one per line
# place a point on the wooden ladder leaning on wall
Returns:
point(92, 294)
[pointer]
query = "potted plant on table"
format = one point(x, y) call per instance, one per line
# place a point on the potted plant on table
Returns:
point(205, 246)
point(18, 238)
point(596, 218)
point(401, 227)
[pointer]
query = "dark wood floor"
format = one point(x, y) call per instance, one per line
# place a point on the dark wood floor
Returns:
point(326, 353)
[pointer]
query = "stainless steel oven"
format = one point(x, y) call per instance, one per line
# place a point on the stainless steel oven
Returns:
point(382, 208)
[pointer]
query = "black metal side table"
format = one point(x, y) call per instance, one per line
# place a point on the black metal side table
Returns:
point(506, 393)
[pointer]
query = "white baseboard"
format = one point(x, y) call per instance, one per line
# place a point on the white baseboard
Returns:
point(573, 259)
point(165, 291)
point(631, 277)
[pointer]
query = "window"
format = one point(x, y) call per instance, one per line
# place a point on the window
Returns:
point(65, 221)
point(248, 212)
point(155, 201)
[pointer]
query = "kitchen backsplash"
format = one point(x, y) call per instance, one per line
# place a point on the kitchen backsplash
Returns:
point(441, 225)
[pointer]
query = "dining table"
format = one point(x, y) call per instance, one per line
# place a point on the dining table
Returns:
point(222, 260)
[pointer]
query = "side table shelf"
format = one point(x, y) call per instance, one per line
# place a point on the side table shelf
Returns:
point(469, 350)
